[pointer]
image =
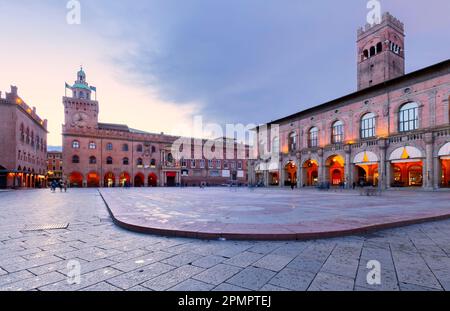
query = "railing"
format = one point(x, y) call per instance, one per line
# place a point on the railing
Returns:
point(442, 132)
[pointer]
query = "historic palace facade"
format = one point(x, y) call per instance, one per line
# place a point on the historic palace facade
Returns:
point(23, 144)
point(393, 132)
point(109, 155)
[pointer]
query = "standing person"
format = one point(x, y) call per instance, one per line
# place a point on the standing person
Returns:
point(65, 186)
point(60, 184)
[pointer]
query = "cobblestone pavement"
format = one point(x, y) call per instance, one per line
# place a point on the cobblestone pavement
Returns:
point(412, 258)
point(267, 213)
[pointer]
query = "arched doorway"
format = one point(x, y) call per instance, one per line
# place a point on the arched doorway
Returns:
point(76, 180)
point(291, 174)
point(139, 180)
point(93, 180)
point(310, 173)
point(406, 167)
point(152, 180)
point(274, 178)
point(444, 159)
point(124, 179)
point(110, 180)
point(335, 165)
point(366, 169)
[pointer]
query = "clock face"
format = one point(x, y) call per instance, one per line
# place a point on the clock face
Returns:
point(80, 118)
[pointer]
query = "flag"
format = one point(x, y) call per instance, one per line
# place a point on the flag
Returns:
point(68, 86)
point(93, 88)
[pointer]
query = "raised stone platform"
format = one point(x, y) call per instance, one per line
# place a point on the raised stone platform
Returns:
point(268, 214)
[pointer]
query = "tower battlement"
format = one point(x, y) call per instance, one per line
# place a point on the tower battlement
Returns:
point(387, 19)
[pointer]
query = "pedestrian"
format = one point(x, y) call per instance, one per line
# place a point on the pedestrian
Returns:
point(354, 185)
point(60, 185)
point(65, 186)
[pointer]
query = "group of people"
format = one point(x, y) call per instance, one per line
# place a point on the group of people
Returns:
point(62, 185)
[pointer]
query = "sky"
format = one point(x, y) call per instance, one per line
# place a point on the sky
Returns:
point(158, 63)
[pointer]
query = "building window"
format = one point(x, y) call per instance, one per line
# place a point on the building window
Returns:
point(125, 161)
point(139, 162)
point(153, 149)
point(109, 160)
point(139, 148)
point(202, 163)
point(368, 125)
point(337, 130)
point(192, 163)
point(210, 164)
point(22, 132)
point(153, 163)
point(125, 147)
point(183, 163)
point(233, 165)
point(409, 117)
point(225, 165)
point(239, 165)
point(92, 145)
point(218, 164)
point(275, 145)
point(76, 144)
point(75, 159)
point(292, 142)
point(109, 146)
point(313, 137)
point(92, 160)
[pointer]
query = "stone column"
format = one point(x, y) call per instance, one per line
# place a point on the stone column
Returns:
point(266, 178)
point(299, 170)
point(281, 174)
point(383, 179)
point(347, 165)
point(428, 165)
point(321, 167)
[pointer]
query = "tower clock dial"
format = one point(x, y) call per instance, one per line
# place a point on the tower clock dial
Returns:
point(80, 118)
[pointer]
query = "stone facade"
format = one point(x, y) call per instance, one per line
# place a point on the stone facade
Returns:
point(54, 165)
point(23, 143)
point(103, 155)
point(393, 132)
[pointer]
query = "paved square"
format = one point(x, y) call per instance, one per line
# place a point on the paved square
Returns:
point(269, 214)
point(416, 257)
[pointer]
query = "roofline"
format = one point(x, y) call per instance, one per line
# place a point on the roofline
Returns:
point(430, 69)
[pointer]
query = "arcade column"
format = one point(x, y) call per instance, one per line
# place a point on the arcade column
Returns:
point(321, 166)
point(428, 165)
point(382, 176)
point(348, 165)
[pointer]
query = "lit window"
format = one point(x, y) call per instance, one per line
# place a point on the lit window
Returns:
point(76, 144)
point(92, 145)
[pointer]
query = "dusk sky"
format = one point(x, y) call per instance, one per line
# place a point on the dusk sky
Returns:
point(158, 63)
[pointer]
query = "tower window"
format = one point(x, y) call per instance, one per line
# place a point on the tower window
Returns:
point(379, 47)
point(75, 159)
point(76, 144)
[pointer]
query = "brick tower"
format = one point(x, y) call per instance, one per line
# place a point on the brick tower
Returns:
point(381, 52)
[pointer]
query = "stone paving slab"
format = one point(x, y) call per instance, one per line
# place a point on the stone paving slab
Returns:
point(414, 258)
point(264, 214)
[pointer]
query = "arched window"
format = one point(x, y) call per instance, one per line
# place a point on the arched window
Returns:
point(139, 162)
point(368, 125)
point(337, 132)
point(372, 51)
point(379, 47)
point(125, 161)
point(75, 159)
point(28, 135)
point(313, 137)
point(170, 158)
point(292, 141)
point(92, 145)
point(408, 117)
point(139, 148)
point(76, 144)
point(109, 160)
point(153, 149)
point(153, 163)
point(38, 144)
point(109, 146)
point(125, 147)
point(275, 145)
point(32, 138)
point(92, 160)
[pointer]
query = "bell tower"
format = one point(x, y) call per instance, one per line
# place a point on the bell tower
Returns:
point(80, 111)
point(381, 52)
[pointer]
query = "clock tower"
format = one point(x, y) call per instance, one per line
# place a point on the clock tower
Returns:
point(80, 111)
